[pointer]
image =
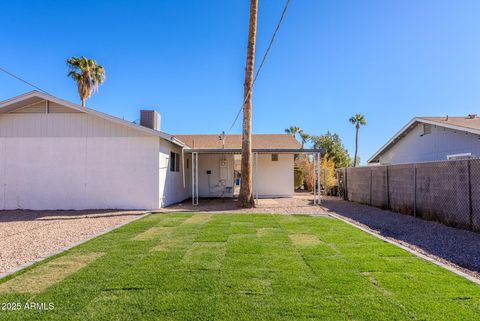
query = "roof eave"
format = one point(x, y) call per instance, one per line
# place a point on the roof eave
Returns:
point(254, 150)
point(376, 157)
point(79, 108)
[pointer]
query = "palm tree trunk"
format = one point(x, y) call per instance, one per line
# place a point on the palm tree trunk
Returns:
point(245, 196)
point(83, 102)
point(356, 147)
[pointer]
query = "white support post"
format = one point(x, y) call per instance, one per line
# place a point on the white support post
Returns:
point(314, 183)
point(196, 173)
point(317, 174)
point(255, 178)
point(194, 178)
point(319, 164)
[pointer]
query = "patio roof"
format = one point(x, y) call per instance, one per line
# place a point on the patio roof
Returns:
point(232, 142)
point(260, 151)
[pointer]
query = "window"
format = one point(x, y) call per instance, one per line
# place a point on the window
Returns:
point(174, 162)
point(274, 157)
point(427, 129)
point(188, 163)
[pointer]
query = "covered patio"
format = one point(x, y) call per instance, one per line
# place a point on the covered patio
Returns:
point(212, 166)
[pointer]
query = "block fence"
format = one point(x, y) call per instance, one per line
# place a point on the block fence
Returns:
point(445, 191)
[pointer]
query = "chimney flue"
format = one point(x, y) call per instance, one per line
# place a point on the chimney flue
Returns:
point(150, 119)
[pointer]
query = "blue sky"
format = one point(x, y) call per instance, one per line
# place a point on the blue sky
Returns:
point(390, 60)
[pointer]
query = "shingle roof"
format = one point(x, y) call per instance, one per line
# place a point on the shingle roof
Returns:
point(259, 141)
point(466, 122)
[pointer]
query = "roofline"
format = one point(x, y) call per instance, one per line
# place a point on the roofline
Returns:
point(424, 121)
point(79, 108)
point(255, 150)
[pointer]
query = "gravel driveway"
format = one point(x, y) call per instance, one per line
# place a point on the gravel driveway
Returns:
point(29, 235)
point(447, 244)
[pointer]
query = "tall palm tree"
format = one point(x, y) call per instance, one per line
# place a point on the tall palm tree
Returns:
point(245, 197)
point(304, 137)
point(357, 120)
point(293, 130)
point(88, 75)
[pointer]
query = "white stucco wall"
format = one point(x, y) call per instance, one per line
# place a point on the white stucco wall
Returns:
point(172, 190)
point(213, 185)
point(271, 179)
point(274, 179)
point(431, 147)
point(76, 161)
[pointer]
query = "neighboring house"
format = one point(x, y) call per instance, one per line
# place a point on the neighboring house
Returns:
point(58, 155)
point(426, 139)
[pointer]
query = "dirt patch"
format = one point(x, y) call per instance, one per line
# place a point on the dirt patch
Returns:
point(46, 275)
point(152, 233)
point(198, 219)
point(264, 231)
point(304, 240)
point(205, 256)
point(374, 282)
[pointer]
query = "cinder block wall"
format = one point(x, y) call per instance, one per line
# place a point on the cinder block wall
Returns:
point(447, 191)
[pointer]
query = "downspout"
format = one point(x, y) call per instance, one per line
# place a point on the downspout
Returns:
point(183, 166)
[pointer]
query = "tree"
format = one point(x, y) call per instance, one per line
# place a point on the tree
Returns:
point(293, 130)
point(357, 120)
point(304, 137)
point(245, 197)
point(333, 148)
point(88, 75)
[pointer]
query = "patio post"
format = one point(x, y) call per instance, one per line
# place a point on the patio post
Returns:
point(194, 178)
point(319, 164)
point(255, 178)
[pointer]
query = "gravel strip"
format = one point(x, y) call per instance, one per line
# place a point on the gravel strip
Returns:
point(455, 247)
point(301, 203)
point(29, 235)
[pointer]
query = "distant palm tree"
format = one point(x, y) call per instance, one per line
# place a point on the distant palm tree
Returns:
point(88, 75)
point(357, 120)
point(293, 130)
point(304, 137)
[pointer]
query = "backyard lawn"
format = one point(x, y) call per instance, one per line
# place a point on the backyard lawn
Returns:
point(238, 267)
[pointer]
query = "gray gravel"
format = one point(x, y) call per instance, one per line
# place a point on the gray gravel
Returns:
point(30, 235)
point(460, 248)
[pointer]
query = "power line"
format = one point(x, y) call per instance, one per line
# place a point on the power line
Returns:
point(22, 80)
point(261, 63)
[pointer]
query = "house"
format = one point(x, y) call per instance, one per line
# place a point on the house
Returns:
point(218, 159)
point(426, 139)
point(55, 154)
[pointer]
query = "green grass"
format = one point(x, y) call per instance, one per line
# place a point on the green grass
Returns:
point(242, 267)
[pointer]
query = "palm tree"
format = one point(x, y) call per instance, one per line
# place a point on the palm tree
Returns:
point(245, 197)
point(357, 120)
point(293, 130)
point(304, 137)
point(88, 75)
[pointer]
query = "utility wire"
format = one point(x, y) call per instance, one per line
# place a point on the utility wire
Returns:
point(261, 64)
point(22, 80)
